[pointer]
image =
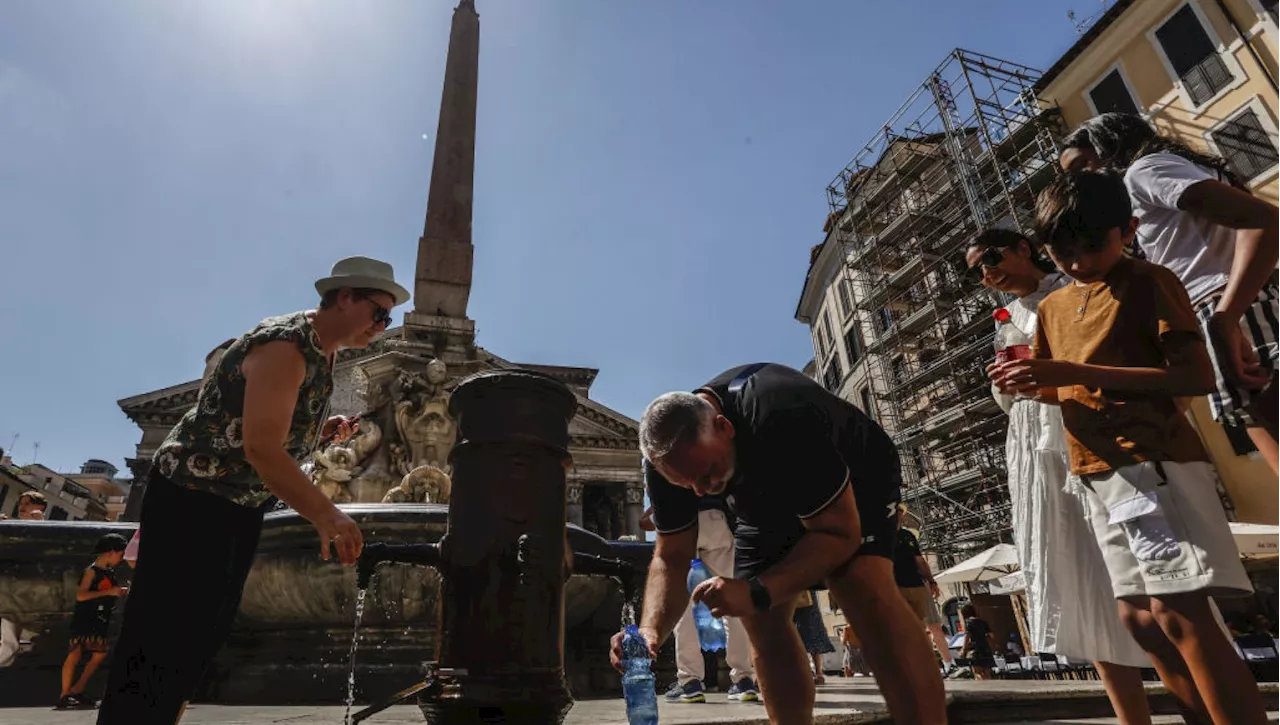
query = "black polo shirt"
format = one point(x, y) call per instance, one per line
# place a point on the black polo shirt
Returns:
point(797, 447)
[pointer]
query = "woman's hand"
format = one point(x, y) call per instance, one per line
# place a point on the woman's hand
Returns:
point(1235, 357)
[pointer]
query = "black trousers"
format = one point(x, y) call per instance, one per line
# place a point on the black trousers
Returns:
point(193, 558)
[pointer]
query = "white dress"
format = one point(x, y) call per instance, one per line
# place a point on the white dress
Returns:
point(1071, 608)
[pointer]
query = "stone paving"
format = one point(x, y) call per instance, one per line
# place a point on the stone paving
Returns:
point(840, 702)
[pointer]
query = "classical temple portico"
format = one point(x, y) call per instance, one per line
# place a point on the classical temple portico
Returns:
point(400, 384)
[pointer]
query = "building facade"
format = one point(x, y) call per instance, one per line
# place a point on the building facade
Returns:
point(1203, 71)
point(895, 329)
point(67, 499)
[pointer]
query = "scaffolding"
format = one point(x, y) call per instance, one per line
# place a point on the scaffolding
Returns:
point(968, 150)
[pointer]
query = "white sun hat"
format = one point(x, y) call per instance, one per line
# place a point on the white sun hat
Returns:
point(363, 273)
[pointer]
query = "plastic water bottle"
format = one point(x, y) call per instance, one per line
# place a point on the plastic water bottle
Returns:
point(710, 629)
point(637, 679)
point(1011, 343)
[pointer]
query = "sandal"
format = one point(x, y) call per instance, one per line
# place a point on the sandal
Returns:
point(79, 702)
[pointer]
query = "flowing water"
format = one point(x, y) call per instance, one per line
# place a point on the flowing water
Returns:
point(351, 656)
point(628, 613)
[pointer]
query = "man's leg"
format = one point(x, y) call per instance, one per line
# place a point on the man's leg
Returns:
point(690, 665)
point(940, 643)
point(782, 666)
point(69, 669)
point(715, 542)
point(893, 639)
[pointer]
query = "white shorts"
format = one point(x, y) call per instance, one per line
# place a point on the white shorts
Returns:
point(1165, 534)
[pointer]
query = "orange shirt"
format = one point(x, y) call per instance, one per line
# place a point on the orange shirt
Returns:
point(1121, 321)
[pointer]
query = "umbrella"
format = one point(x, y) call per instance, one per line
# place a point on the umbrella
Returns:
point(993, 563)
point(1256, 541)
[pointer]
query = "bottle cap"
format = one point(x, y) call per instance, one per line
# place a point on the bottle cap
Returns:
point(632, 630)
point(695, 562)
point(1001, 315)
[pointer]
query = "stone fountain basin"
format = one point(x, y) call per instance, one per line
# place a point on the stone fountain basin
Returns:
point(289, 586)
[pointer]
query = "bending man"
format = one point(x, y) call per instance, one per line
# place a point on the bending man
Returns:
point(816, 486)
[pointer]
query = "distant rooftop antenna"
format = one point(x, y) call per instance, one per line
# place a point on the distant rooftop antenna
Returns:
point(36, 458)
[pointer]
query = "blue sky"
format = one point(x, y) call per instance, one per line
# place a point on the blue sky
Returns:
point(649, 176)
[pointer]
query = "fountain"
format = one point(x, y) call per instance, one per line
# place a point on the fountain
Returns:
point(503, 560)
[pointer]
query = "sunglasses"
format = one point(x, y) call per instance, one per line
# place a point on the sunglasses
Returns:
point(381, 315)
point(991, 257)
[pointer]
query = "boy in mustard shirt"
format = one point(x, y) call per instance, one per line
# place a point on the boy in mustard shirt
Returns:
point(1115, 349)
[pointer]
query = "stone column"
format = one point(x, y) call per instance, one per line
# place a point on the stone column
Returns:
point(573, 502)
point(634, 509)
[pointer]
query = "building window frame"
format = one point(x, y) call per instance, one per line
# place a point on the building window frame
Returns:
point(1269, 21)
point(1228, 58)
point(1269, 126)
point(1117, 67)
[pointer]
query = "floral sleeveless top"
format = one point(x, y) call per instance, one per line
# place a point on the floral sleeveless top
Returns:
point(205, 450)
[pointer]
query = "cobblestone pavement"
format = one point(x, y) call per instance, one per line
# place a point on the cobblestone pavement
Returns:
point(841, 702)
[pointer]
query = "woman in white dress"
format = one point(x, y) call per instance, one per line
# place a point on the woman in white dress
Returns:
point(1071, 607)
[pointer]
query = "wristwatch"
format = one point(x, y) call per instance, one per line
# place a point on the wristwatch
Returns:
point(759, 595)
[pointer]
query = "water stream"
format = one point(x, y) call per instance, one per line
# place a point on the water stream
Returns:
point(351, 656)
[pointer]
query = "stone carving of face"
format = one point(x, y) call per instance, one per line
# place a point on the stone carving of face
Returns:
point(437, 372)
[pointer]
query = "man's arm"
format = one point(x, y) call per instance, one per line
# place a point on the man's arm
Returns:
point(273, 375)
point(830, 538)
point(665, 593)
point(927, 574)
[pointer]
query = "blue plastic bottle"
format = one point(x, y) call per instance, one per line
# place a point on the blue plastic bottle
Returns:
point(710, 629)
point(637, 679)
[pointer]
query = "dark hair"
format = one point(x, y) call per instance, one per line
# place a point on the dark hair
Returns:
point(110, 543)
point(1119, 139)
point(34, 497)
point(1079, 208)
point(999, 238)
point(967, 611)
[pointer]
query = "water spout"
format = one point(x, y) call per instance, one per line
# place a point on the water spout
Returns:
point(380, 553)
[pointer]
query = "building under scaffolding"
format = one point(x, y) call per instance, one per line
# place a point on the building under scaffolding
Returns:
point(970, 149)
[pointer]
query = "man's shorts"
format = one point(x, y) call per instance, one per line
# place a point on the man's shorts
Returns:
point(1260, 325)
point(1162, 530)
point(935, 615)
point(763, 540)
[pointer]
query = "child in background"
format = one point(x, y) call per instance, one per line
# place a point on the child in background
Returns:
point(1115, 349)
point(95, 601)
point(979, 644)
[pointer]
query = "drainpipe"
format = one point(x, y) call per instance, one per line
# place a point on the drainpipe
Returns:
point(1240, 32)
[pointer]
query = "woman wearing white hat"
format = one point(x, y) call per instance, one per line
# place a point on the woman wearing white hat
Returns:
point(260, 413)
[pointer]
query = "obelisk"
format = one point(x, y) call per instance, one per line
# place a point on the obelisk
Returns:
point(442, 280)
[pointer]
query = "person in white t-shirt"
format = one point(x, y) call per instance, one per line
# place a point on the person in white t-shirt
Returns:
point(1198, 220)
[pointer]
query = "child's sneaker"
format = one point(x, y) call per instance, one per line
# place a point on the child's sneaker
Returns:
point(689, 692)
point(744, 690)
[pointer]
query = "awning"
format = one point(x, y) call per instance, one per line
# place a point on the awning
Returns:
point(1256, 541)
point(993, 563)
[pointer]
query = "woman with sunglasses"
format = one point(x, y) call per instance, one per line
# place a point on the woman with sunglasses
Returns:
point(1070, 607)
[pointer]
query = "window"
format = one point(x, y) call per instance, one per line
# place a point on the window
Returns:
point(58, 514)
point(853, 344)
point(867, 406)
point(846, 297)
point(884, 320)
point(833, 375)
point(1244, 143)
point(1192, 55)
point(1270, 7)
point(899, 370)
point(827, 337)
point(1111, 95)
